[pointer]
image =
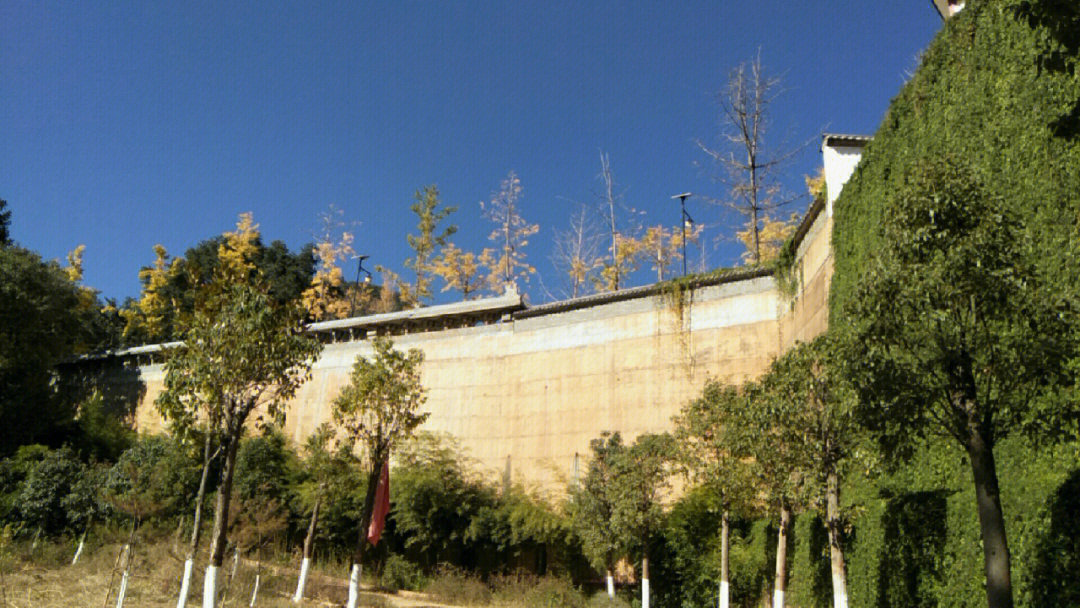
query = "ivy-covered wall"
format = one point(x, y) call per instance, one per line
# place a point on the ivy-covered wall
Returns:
point(980, 94)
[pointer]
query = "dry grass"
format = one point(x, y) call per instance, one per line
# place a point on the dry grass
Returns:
point(45, 578)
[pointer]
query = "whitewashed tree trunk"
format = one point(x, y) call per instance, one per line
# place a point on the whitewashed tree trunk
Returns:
point(645, 582)
point(185, 584)
point(123, 590)
point(82, 543)
point(209, 591)
point(836, 549)
point(610, 584)
point(255, 591)
point(354, 586)
point(781, 558)
point(725, 573)
point(309, 543)
point(305, 565)
point(124, 577)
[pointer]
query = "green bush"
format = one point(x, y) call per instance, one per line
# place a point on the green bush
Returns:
point(59, 494)
point(399, 573)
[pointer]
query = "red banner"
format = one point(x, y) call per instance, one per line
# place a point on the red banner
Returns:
point(382, 506)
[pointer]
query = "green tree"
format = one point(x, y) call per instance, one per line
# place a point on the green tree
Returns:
point(320, 465)
point(710, 462)
point(430, 215)
point(436, 501)
point(592, 508)
point(5, 224)
point(816, 415)
point(753, 432)
point(952, 334)
point(641, 479)
point(379, 408)
point(243, 357)
point(42, 324)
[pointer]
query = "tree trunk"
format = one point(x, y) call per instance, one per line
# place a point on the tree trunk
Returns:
point(645, 581)
point(991, 522)
point(124, 577)
point(193, 545)
point(361, 544)
point(781, 557)
point(82, 543)
point(610, 583)
point(221, 518)
point(309, 545)
point(725, 573)
point(836, 549)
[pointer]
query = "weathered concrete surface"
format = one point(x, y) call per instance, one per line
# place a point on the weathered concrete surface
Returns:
point(534, 389)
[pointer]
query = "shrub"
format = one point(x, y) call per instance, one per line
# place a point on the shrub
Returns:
point(400, 573)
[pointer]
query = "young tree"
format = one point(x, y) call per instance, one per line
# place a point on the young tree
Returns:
point(622, 255)
point(459, 269)
point(752, 432)
point(243, 356)
point(592, 508)
point(576, 253)
point(746, 164)
point(321, 464)
point(817, 418)
point(699, 431)
point(953, 334)
point(328, 297)
point(641, 478)
point(662, 247)
point(379, 408)
point(428, 212)
point(511, 235)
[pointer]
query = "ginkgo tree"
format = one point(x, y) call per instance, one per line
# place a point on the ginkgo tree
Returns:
point(506, 260)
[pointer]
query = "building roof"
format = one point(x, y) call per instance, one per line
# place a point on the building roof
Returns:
point(844, 140)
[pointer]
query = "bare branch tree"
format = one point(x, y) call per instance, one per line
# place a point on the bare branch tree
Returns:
point(576, 253)
point(746, 165)
point(621, 230)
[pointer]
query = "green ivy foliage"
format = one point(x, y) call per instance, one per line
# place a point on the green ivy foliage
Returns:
point(987, 92)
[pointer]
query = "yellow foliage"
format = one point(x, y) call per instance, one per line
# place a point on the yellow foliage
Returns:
point(152, 308)
point(663, 247)
point(74, 268)
point(327, 297)
point(626, 261)
point(459, 269)
point(772, 234)
point(237, 254)
point(815, 184)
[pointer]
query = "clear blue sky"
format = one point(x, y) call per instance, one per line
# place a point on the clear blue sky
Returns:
point(129, 124)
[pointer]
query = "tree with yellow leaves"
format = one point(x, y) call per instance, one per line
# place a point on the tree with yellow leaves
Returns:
point(662, 247)
point(328, 296)
point(506, 261)
point(770, 234)
point(175, 288)
point(625, 260)
point(461, 270)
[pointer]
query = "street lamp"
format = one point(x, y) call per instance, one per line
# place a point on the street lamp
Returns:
point(686, 219)
point(367, 279)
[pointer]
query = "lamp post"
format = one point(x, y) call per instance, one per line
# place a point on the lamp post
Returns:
point(686, 219)
point(367, 279)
